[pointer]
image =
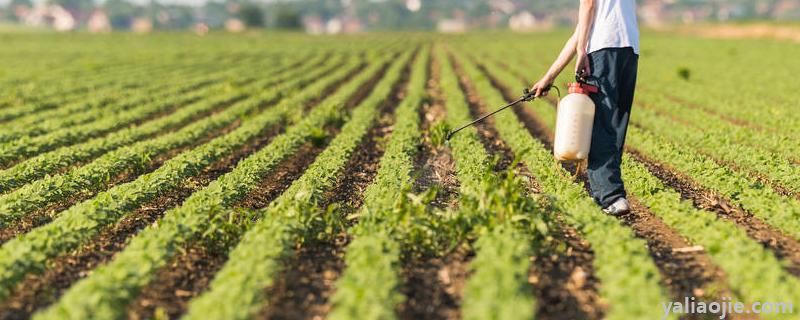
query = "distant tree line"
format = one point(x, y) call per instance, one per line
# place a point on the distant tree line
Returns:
point(374, 15)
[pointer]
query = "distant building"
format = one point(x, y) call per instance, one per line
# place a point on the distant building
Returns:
point(413, 5)
point(653, 13)
point(52, 16)
point(786, 9)
point(333, 26)
point(451, 26)
point(313, 24)
point(351, 24)
point(99, 22)
point(523, 21)
point(142, 25)
point(234, 25)
point(200, 29)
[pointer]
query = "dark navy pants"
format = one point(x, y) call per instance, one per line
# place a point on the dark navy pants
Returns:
point(614, 71)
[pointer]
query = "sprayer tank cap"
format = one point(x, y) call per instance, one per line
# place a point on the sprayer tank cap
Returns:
point(582, 88)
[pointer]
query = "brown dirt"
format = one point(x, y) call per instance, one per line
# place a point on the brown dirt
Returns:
point(434, 165)
point(784, 246)
point(488, 135)
point(45, 215)
point(433, 285)
point(776, 186)
point(150, 117)
point(190, 273)
point(303, 290)
point(362, 166)
point(37, 291)
point(564, 280)
point(183, 279)
point(359, 96)
point(686, 274)
point(173, 288)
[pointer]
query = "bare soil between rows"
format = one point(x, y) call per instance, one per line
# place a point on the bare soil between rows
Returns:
point(564, 283)
point(190, 273)
point(685, 274)
point(38, 291)
point(304, 287)
point(776, 186)
point(434, 166)
point(173, 288)
point(46, 214)
point(433, 285)
point(784, 246)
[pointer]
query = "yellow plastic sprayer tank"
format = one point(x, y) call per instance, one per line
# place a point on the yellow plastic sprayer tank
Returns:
point(574, 123)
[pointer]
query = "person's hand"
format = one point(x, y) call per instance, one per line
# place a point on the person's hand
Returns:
point(582, 67)
point(541, 87)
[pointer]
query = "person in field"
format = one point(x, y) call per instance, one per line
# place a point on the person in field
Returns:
point(605, 45)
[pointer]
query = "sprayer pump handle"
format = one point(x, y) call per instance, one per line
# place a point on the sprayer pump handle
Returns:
point(528, 95)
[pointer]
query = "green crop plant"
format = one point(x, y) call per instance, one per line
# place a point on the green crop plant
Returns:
point(152, 248)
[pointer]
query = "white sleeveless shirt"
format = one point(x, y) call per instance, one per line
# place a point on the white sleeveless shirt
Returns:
point(614, 26)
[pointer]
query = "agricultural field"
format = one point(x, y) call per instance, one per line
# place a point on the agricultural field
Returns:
point(286, 176)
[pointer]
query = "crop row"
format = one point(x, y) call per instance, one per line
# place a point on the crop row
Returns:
point(96, 101)
point(718, 143)
point(98, 106)
point(29, 252)
point(29, 146)
point(95, 175)
point(755, 279)
point(27, 98)
point(760, 143)
point(712, 84)
point(239, 284)
point(630, 280)
point(102, 106)
point(135, 81)
point(770, 106)
point(735, 184)
point(781, 212)
point(116, 283)
point(752, 271)
point(373, 255)
point(52, 92)
point(49, 162)
point(506, 220)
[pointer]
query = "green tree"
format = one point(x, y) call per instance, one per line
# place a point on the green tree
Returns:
point(287, 17)
point(120, 13)
point(9, 13)
point(74, 5)
point(215, 13)
point(251, 15)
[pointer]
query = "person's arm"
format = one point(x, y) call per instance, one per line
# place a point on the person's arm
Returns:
point(576, 44)
point(585, 20)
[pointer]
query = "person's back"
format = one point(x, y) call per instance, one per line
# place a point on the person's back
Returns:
point(614, 26)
